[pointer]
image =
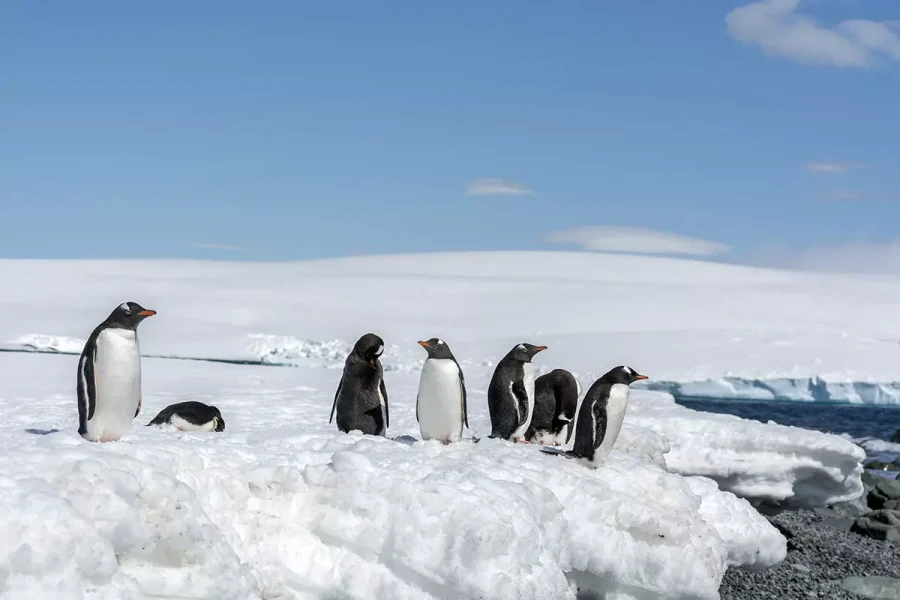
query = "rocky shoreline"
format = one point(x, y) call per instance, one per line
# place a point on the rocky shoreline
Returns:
point(822, 554)
point(842, 552)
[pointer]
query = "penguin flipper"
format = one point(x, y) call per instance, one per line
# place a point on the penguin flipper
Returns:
point(87, 383)
point(387, 413)
point(521, 397)
point(600, 419)
point(140, 402)
point(462, 389)
point(336, 394)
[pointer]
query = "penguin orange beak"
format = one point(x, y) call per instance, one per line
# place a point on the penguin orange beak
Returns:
point(147, 313)
point(540, 348)
point(423, 344)
point(639, 377)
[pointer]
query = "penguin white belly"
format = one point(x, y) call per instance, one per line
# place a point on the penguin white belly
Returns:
point(528, 380)
point(185, 425)
point(439, 404)
point(615, 414)
point(117, 381)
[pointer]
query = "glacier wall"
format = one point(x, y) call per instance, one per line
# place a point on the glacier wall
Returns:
point(809, 389)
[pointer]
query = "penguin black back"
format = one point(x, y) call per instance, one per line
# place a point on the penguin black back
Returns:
point(555, 404)
point(361, 399)
point(191, 416)
point(510, 401)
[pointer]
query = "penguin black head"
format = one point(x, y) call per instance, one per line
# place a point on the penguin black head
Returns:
point(220, 422)
point(369, 347)
point(437, 348)
point(622, 374)
point(525, 352)
point(128, 315)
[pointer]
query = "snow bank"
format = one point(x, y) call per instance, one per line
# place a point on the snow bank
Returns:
point(39, 342)
point(810, 389)
point(764, 462)
point(288, 350)
point(282, 506)
point(315, 516)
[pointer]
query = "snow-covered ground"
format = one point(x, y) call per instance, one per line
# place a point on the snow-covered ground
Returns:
point(281, 505)
point(697, 328)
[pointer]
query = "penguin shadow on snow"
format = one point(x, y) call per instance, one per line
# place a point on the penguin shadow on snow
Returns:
point(35, 431)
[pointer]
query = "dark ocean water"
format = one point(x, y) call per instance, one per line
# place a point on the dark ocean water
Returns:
point(858, 421)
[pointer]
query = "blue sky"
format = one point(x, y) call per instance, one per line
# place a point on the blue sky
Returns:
point(291, 130)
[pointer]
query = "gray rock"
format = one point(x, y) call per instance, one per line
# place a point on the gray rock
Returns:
point(878, 588)
point(879, 524)
point(877, 465)
point(882, 492)
point(819, 558)
point(869, 480)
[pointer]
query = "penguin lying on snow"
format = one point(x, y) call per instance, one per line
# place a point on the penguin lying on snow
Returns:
point(600, 416)
point(191, 416)
point(441, 401)
point(511, 393)
point(555, 404)
point(109, 375)
point(361, 400)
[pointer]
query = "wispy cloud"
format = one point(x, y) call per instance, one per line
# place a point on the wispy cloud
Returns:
point(776, 27)
point(635, 240)
point(217, 247)
point(824, 166)
point(492, 186)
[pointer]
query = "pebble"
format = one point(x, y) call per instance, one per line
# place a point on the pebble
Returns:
point(820, 559)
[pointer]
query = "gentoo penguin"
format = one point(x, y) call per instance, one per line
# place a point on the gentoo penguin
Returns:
point(109, 375)
point(600, 416)
point(191, 416)
point(361, 399)
point(511, 393)
point(555, 404)
point(441, 401)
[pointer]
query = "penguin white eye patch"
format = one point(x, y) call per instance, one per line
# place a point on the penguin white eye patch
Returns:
point(379, 350)
point(124, 306)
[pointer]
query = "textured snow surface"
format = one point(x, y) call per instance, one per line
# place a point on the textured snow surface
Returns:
point(759, 461)
point(281, 505)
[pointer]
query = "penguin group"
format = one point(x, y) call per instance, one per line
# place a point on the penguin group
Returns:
point(547, 411)
point(543, 411)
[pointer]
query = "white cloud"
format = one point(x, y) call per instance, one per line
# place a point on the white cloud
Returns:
point(776, 27)
point(852, 257)
point(492, 186)
point(217, 246)
point(830, 167)
point(635, 240)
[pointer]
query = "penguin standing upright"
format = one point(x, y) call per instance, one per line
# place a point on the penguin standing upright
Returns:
point(109, 375)
point(555, 404)
point(511, 393)
point(601, 414)
point(191, 416)
point(361, 400)
point(441, 401)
